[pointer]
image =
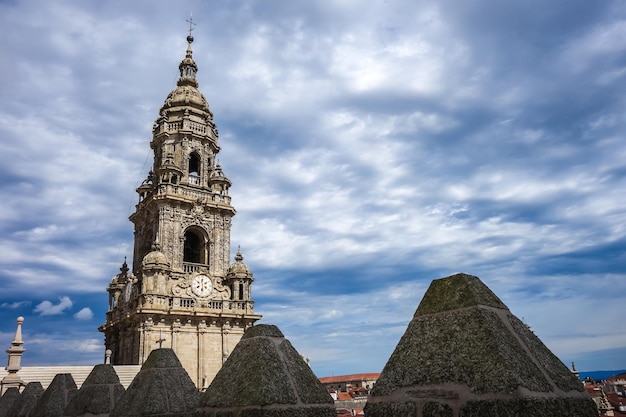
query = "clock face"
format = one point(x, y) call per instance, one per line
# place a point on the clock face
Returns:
point(201, 286)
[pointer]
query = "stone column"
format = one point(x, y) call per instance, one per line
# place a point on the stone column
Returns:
point(175, 330)
point(225, 332)
point(202, 381)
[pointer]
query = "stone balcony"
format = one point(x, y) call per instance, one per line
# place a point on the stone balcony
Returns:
point(190, 267)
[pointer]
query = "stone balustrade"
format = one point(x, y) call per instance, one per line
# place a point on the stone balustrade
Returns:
point(190, 267)
point(186, 125)
point(167, 190)
point(169, 303)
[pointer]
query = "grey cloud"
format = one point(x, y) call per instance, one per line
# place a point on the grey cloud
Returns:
point(369, 148)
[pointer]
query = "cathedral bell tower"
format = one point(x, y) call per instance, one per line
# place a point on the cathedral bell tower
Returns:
point(182, 293)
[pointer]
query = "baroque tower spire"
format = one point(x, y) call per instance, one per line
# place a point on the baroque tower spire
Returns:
point(181, 285)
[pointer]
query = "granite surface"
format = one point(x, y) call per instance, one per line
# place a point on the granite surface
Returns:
point(161, 388)
point(24, 405)
point(265, 377)
point(98, 394)
point(465, 354)
point(7, 400)
point(55, 398)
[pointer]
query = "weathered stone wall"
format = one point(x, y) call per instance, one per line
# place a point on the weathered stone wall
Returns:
point(351, 404)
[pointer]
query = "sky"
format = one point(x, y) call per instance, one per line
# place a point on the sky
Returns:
point(372, 146)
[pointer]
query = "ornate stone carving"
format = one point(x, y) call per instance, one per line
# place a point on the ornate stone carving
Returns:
point(161, 297)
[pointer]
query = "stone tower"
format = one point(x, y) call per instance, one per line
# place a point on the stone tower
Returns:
point(182, 293)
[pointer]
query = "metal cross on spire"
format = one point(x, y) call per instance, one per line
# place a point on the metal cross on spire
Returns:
point(160, 340)
point(191, 23)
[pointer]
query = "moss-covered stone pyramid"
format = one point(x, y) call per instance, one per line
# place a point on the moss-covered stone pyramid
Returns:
point(161, 388)
point(464, 354)
point(265, 377)
point(98, 394)
point(23, 406)
point(55, 398)
point(7, 400)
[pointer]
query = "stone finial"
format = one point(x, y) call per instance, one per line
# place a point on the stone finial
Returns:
point(465, 354)
point(12, 379)
point(107, 357)
point(18, 332)
point(575, 371)
point(124, 268)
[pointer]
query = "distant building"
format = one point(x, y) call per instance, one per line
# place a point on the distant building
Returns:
point(609, 395)
point(598, 396)
point(616, 383)
point(618, 402)
point(615, 388)
point(350, 392)
point(345, 383)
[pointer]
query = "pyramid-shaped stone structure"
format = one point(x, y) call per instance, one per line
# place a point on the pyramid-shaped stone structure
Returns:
point(465, 354)
point(161, 388)
point(265, 377)
point(98, 394)
point(7, 400)
point(55, 398)
point(24, 405)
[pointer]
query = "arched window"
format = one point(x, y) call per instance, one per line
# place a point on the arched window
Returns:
point(194, 169)
point(194, 164)
point(194, 250)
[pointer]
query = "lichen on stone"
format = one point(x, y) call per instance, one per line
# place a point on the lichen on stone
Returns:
point(457, 291)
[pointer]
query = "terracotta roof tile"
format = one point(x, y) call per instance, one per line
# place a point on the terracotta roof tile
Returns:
point(348, 378)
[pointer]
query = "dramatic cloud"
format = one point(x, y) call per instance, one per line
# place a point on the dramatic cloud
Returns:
point(371, 149)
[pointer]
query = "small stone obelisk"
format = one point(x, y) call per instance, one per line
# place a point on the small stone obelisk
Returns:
point(12, 379)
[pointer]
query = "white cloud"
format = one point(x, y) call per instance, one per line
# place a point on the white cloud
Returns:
point(16, 304)
point(46, 308)
point(84, 314)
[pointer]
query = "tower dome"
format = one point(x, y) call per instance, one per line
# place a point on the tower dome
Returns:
point(186, 95)
point(218, 181)
point(155, 259)
point(239, 269)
